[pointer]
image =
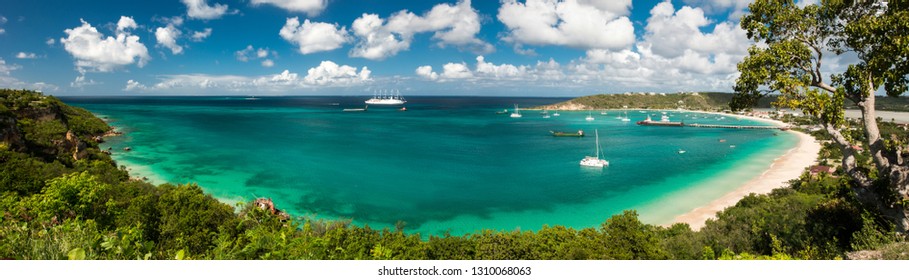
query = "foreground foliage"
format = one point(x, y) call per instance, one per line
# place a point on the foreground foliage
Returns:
point(788, 61)
point(54, 207)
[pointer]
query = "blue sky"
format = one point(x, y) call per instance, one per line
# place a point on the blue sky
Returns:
point(324, 47)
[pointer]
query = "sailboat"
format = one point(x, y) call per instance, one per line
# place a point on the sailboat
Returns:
point(516, 113)
point(589, 117)
point(625, 118)
point(595, 161)
point(555, 114)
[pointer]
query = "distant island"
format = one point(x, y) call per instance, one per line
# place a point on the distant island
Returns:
point(699, 101)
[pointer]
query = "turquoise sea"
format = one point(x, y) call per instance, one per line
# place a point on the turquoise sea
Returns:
point(447, 164)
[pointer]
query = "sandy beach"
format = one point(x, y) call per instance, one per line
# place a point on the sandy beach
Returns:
point(787, 167)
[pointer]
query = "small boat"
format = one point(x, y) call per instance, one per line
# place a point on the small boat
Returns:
point(589, 117)
point(252, 98)
point(556, 114)
point(580, 133)
point(732, 146)
point(603, 113)
point(403, 109)
point(546, 116)
point(517, 113)
point(356, 109)
point(722, 140)
point(502, 112)
point(681, 151)
point(595, 161)
point(625, 118)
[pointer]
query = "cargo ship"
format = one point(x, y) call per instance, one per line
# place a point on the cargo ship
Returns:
point(664, 121)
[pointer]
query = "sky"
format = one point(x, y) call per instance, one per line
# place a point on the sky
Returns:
point(358, 47)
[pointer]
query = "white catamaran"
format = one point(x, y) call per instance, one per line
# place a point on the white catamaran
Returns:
point(595, 161)
point(516, 113)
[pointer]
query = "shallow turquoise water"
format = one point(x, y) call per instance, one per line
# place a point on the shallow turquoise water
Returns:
point(446, 164)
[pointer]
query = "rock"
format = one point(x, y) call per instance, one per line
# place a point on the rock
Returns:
point(864, 255)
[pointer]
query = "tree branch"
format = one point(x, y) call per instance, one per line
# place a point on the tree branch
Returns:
point(849, 164)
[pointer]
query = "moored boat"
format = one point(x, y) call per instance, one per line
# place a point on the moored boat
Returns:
point(663, 122)
point(580, 133)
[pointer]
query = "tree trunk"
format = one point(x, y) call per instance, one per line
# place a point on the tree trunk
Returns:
point(886, 162)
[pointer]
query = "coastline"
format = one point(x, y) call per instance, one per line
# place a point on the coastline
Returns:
point(787, 167)
point(763, 183)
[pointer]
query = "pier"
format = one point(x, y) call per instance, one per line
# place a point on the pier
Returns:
point(739, 126)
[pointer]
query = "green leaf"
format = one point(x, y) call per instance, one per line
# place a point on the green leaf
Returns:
point(76, 254)
point(180, 255)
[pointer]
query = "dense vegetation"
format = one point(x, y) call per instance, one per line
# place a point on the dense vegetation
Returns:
point(707, 101)
point(54, 205)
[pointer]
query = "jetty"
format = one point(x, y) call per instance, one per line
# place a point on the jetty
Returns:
point(739, 126)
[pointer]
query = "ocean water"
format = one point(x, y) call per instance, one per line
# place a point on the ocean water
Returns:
point(447, 164)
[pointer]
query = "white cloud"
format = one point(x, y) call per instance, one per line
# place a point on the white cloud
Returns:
point(81, 82)
point(375, 42)
point(499, 71)
point(735, 8)
point(167, 37)
point(198, 36)
point(670, 33)
point(285, 77)
point(2, 21)
point(310, 7)
point(134, 85)
point(243, 55)
point(125, 23)
point(251, 53)
point(673, 54)
point(313, 37)
point(198, 9)
point(50, 42)
point(7, 81)
point(268, 63)
point(573, 23)
point(425, 71)
point(327, 74)
point(95, 52)
point(5, 69)
point(491, 72)
point(456, 25)
point(330, 73)
point(456, 71)
point(23, 55)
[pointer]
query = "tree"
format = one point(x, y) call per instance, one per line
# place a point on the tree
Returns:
point(789, 60)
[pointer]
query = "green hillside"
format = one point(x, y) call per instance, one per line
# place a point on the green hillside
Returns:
point(706, 101)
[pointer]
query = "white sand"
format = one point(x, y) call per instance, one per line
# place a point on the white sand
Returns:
point(787, 167)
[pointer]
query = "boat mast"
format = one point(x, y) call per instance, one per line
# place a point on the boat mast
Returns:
point(597, 132)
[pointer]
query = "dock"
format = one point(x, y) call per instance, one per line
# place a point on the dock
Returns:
point(739, 126)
